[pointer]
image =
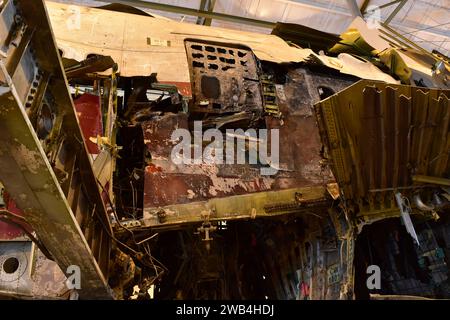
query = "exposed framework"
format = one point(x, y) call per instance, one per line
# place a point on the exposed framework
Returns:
point(44, 163)
point(379, 136)
point(305, 234)
point(206, 5)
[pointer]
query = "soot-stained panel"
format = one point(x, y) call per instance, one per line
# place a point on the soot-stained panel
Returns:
point(224, 78)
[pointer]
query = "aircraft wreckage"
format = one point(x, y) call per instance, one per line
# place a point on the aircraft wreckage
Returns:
point(88, 110)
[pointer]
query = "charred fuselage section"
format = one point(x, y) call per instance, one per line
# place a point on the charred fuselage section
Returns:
point(360, 178)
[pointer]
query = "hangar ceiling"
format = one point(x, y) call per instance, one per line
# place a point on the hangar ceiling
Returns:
point(423, 21)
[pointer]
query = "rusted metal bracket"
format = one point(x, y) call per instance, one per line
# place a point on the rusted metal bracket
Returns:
point(248, 206)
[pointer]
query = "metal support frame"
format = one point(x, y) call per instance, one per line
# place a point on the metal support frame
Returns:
point(206, 5)
point(247, 206)
point(31, 78)
point(353, 6)
point(394, 12)
point(195, 12)
point(367, 2)
point(408, 43)
point(364, 6)
point(202, 7)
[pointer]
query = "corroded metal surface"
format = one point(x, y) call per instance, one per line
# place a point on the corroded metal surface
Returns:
point(301, 165)
point(247, 206)
point(90, 116)
point(379, 136)
point(224, 78)
point(44, 163)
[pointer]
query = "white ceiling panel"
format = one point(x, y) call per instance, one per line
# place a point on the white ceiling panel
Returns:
point(427, 22)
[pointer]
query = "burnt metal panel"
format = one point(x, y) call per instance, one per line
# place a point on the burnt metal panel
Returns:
point(48, 172)
point(28, 273)
point(378, 136)
point(16, 261)
point(172, 186)
point(224, 78)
